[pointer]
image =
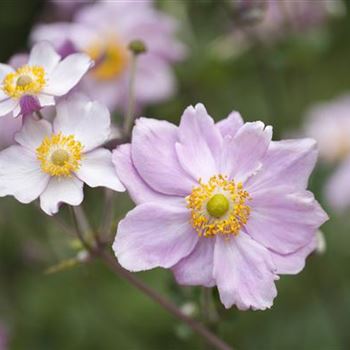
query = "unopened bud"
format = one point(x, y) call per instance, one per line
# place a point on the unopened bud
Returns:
point(137, 47)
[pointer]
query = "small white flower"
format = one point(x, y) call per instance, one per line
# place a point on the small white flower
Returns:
point(34, 85)
point(52, 161)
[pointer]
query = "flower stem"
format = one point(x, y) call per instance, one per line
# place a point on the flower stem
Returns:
point(130, 113)
point(196, 326)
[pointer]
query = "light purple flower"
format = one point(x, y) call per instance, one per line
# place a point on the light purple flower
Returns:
point(104, 30)
point(37, 83)
point(53, 161)
point(284, 16)
point(219, 204)
point(329, 124)
point(8, 128)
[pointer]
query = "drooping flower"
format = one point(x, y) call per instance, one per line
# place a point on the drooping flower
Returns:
point(36, 84)
point(104, 30)
point(53, 161)
point(329, 124)
point(219, 204)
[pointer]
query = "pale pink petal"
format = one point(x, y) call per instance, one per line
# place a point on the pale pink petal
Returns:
point(284, 222)
point(293, 263)
point(88, 121)
point(4, 70)
point(154, 156)
point(154, 235)
point(67, 74)
point(242, 155)
point(97, 170)
point(21, 175)
point(43, 54)
point(61, 190)
point(287, 163)
point(337, 190)
point(8, 105)
point(9, 126)
point(199, 144)
point(46, 100)
point(245, 273)
point(138, 190)
point(197, 268)
point(230, 125)
point(33, 133)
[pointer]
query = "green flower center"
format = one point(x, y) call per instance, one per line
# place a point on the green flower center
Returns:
point(218, 205)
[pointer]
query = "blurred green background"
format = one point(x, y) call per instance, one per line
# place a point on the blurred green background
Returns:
point(87, 307)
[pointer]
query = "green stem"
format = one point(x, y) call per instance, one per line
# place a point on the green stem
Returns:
point(130, 113)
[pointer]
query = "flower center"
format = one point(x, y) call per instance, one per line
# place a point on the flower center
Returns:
point(111, 59)
point(26, 80)
point(59, 155)
point(218, 207)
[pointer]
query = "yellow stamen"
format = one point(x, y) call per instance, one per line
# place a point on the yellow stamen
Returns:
point(218, 207)
point(60, 155)
point(26, 80)
point(111, 59)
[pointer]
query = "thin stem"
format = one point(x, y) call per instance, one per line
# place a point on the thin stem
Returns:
point(130, 113)
point(78, 231)
point(196, 326)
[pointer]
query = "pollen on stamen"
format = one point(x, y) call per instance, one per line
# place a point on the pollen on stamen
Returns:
point(218, 207)
point(26, 80)
point(60, 155)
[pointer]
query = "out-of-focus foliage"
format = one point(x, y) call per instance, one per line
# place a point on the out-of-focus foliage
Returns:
point(88, 307)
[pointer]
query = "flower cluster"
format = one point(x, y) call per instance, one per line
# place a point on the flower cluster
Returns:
point(220, 204)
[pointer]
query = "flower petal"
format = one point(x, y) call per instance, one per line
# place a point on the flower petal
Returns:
point(46, 100)
point(4, 70)
point(284, 222)
point(9, 126)
point(153, 153)
point(293, 263)
point(21, 175)
point(29, 104)
point(288, 162)
point(244, 152)
point(337, 190)
point(154, 235)
point(33, 133)
point(67, 74)
point(88, 121)
point(43, 54)
point(197, 268)
point(199, 144)
point(244, 273)
point(230, 125)
point(97, 170)
point(138, 189)
point(7, 106)
point(61, 190)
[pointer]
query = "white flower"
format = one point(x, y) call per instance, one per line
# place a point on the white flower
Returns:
point(52, 161)
point(35, 84)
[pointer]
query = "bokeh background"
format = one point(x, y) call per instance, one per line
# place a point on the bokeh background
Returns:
point(87, 307)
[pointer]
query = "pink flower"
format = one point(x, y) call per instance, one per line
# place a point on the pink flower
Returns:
point(37, 83)
point(53, 161)
point(104, 31)
point(219, 204)
point(329, 124)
